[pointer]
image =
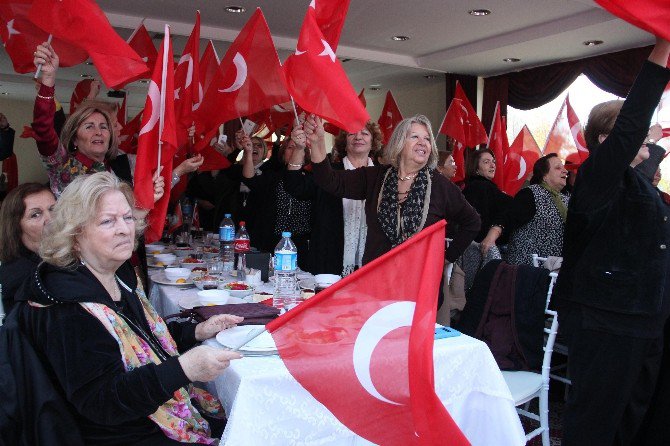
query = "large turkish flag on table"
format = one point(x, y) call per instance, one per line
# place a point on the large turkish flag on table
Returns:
point(364, 346)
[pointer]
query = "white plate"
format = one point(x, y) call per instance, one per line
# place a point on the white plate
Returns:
point(160, 278)
point(164, 265)
point(192, 301)
point(233, 336)
point(307, 284)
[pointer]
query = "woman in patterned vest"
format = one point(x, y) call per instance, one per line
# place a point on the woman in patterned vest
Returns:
point(536, 217)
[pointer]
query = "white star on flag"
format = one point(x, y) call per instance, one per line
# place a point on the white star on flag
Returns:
point(10, 29)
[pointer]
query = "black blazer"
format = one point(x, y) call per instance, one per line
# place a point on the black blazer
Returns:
point(617, 235)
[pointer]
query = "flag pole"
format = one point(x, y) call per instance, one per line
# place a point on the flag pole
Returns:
point(39, 67)
point(242, 124)
point(295, 112)
point(161, 123)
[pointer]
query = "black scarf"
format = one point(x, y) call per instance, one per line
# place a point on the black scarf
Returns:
point(401, 221)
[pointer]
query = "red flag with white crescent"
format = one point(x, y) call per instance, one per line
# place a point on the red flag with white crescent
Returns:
point(157, 143)
point(187, 88)
point(475, 133)
point(209, 64)
point(330, 16)
point(370, 337)
point(316, 80)
point(454, 126)
point(576, 130)
point(560, 140)
point(519, 161)
point(143, 44)
point(389, 117)
point(249, 80)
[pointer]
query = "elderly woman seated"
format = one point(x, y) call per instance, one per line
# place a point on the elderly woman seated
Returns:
point(114, 359)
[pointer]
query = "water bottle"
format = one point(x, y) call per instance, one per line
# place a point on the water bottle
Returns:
point(286, 262)
point(242, 247)
point(227, 243)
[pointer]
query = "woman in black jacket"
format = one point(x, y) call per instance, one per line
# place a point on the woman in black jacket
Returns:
point(23, 215)
point(613, 292)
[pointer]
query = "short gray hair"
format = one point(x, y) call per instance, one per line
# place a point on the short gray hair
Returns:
point(397, 141)
point(77, 206)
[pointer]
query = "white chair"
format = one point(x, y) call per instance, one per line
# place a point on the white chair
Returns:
point(525, 386)
point(558, 372)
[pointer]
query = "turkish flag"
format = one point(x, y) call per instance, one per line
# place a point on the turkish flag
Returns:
point(122, 112)
point(390, 117)
point(21, 36)
point(143, 44)
point(316, 80)
point(276, 117)
point(129, 134)
point(330, 16)
point(519, 161)
point(370, 338)
point(213, 160)
point(335, 130)
point(576, 130)
point(650, 15)
point(80, 92)
point(475, 133)
point(187, 88)
point(209, 65)
point(453, 125)
point(249, 80)
point(560, 140)
point(499, 146)
point(157, 141)
point(82, 24)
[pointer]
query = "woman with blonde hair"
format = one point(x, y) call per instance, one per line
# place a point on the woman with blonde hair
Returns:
point(117, 363)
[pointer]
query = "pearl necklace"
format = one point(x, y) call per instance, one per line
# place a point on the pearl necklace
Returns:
point(408, 177)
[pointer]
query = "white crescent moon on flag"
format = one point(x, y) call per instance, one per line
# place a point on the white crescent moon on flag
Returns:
point(189, 71)
point(312, 4)
point(522, 168)
point(241, 76)
point(200, 96)
point(281, 108)
point(384, 321)
point(154, 95)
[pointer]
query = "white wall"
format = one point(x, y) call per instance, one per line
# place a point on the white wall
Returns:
point(428, 100)
point(20, 113)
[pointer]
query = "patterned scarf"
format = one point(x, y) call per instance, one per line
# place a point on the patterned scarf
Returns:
point(178, 418)
point(556, 198)
point(401, 221)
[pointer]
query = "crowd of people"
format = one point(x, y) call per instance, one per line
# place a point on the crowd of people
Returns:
point(70, 255)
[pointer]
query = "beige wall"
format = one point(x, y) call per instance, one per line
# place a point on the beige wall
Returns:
point(20, 113)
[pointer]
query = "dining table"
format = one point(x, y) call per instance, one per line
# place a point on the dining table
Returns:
point(265, 405)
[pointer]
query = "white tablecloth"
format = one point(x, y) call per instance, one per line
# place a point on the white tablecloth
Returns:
point(266, 406)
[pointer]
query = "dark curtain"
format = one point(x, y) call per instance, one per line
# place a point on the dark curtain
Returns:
point(468, 83)
point(528, 89)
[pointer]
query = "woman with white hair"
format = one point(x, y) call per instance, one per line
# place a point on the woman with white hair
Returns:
point(403, 197)
point(117, 362)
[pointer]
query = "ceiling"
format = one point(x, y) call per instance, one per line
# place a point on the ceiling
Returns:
point(443, 37)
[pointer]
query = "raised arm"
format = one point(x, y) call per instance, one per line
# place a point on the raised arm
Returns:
point(45, 105)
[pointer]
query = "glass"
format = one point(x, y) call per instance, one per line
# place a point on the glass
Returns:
point(215, 268)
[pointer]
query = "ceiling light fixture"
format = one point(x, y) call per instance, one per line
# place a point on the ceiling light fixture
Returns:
point(345, 59)
point(234, 9)
point(375, 85)
point(592, 42)
point(4, 93)
point(479, 12)
point(89, 63)
point(511, 60)
point(430, 76)
point(85, 76)
point(144, 81)
point(400, 38)
point(374, 88)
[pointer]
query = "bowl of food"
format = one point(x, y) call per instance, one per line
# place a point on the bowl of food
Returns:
point(210, 252)
point(191, 263)
point(154, 248)
point(183, 251)
point(323, 281)
point(164, 259)
point(238, 289)
point(213, 297)
point(206, 282)
point(177, 274)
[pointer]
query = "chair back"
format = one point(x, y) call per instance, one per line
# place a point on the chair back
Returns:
point(550, 330)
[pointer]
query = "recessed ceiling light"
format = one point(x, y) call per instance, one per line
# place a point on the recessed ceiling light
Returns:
point(400, 38)
point(4, 93)
point(375, 85)
point(593, 42)
point(144, 81)
point(374, 88)
point(345, 59)
point(430, 76)
point(479, 12)
point(235, 9)
point(89, 63)
point(85, 76)
point(511, 60)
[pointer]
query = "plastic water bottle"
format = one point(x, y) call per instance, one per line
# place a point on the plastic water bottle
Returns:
point(286, 262)
point(242, 247)
point(227, 243)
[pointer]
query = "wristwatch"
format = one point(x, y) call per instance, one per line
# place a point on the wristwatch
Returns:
point(175, 179)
